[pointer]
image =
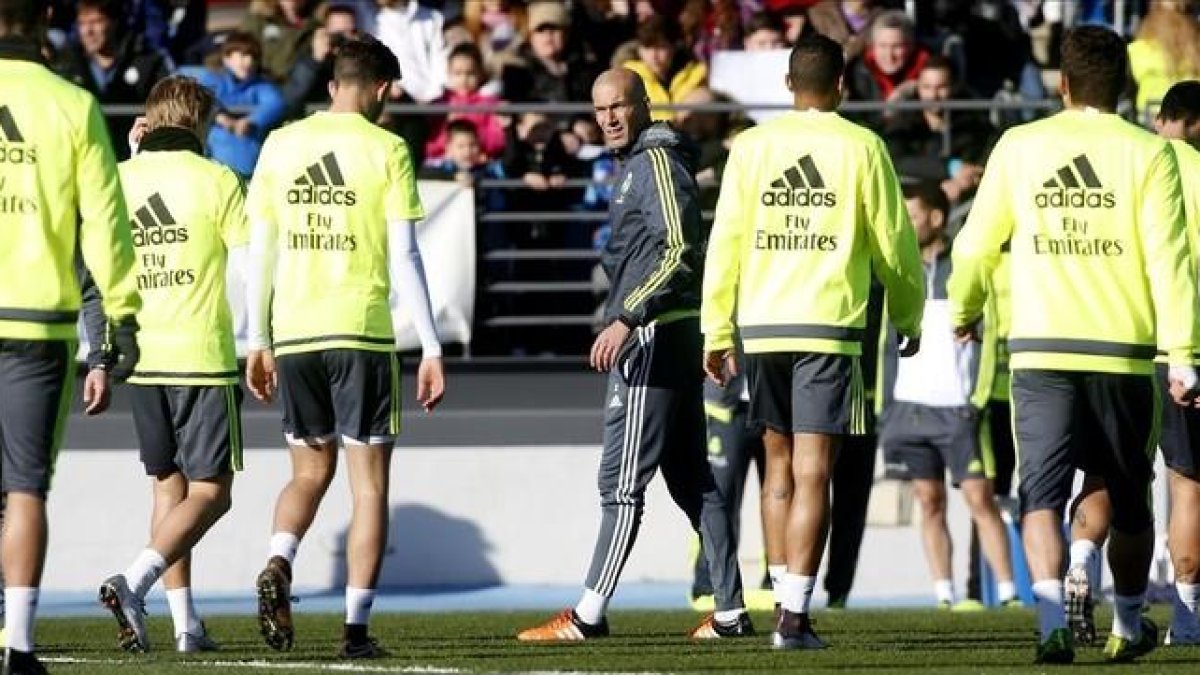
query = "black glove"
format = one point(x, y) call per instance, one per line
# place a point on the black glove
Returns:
point(119, 354)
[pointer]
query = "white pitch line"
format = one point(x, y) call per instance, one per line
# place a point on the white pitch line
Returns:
point(268, 665)
point(322, 667)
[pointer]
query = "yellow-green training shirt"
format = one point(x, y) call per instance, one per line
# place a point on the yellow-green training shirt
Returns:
point(58, 181)
point(187, 214)
point(1188, 159)
point(327, 186)
point(1100, 274)
point(808, 201)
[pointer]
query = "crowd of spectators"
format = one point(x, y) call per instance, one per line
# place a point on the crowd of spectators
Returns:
point(269, 61)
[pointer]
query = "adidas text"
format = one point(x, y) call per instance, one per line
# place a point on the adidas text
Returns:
point(17, 154)
point(1078, 199)
point(323, 195)
point(826, 198)
point(1075, 185)
point(159, 235)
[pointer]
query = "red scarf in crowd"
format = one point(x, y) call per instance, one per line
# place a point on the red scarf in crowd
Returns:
point(909, 71)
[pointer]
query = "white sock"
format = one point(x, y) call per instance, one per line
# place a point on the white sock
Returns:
point(358, 605)
point(797, 592)
point(1051, 614)
point(944, 590)
point(1082, 552)
point(592, 607)
point(1187, 598)
point(183, 612)
point(776, 573)
point(1005, 591)
point(20, 607)
point(1127, 616)
point(147, 567)
point(728, 616)
point(284, 545)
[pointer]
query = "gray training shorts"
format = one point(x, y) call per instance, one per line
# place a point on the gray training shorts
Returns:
point(196, 430)
point(37, 381)
point(1105, 424)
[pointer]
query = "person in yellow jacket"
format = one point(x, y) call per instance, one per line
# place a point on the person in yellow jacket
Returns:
point(1178, 120)
point(337, 194)
point(1166, 50)
point(58, 189)
point(809, 204)
point(188, 217)
point(1100, 281)
point(667, 69)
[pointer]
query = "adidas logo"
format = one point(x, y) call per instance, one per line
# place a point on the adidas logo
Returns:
point(13, 149)
point(153, 224)
point(800, 185)
point(615, 401)
point(323, 184)
point(1075, 185)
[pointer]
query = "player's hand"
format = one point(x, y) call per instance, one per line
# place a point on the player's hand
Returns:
point(721, 366)
point(909, 346)
point(607, 345)
point(431, 383)
point(119, 354)
point(96, 392)
point(1184, 385)
point(261, 378)
point(968, 333)
point(137, 133)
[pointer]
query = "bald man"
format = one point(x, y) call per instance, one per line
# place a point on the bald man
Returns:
point(651, 350)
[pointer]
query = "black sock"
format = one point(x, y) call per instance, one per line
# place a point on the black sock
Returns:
point(355, 633)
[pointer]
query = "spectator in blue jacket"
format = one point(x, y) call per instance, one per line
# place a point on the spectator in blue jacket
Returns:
point(251, 105)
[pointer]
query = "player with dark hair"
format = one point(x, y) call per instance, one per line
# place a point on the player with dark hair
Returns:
point(332, 207)
point(1178, 119)
point(809, 205)
point(937, 404)
point(59, 192)
point(1101, 280)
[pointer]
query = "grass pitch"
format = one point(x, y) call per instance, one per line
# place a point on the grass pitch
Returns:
point(642, 642)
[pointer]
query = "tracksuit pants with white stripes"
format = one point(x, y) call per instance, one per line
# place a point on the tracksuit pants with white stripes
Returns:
point(654, 418)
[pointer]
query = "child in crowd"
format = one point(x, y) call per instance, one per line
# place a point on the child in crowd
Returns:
point(465, 77)
point(235, 138)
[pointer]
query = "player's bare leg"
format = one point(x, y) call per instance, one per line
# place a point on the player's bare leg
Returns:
point(369, 467)
point(1091, 513)
point(993, 538)
point(1184, 539)
point(190, 634)
point(935, 536)
point(24, 553)
point(808, 524)
point(173, 535)
point(777, 490)
point(313, 467)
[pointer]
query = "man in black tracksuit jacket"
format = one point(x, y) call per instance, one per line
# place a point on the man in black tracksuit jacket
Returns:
point(651, 349)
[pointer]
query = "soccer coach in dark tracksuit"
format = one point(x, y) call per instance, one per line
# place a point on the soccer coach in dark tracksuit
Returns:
point(654, 409)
